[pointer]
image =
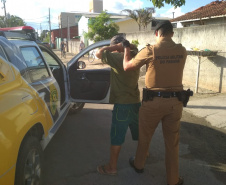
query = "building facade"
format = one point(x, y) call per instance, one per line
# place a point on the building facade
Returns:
point(96, 6)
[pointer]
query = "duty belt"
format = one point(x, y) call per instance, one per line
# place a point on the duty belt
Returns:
point(164, 94)
point(181, 95)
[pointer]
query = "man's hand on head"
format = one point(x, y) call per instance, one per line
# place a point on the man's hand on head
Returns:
point(112, 48)
point(119, 47)
point(125, 43)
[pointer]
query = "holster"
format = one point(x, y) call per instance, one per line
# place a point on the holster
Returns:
point(184, 96)
point(147, 95)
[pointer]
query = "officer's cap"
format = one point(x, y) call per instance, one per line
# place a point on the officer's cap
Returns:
point(116, 39)
point(164, 24)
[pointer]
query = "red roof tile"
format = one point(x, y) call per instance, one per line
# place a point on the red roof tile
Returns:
point(215, 8)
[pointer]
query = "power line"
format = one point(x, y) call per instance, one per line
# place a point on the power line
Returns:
point(38, 18)
point(38, 23)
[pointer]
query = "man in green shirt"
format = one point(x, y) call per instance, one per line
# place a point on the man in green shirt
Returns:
point(125, 96)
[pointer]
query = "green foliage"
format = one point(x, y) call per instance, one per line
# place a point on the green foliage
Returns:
point(143, 16)
point(11, 21)
point(175, 3)
point(135, 42)
point(101, 28)
point(46, 37)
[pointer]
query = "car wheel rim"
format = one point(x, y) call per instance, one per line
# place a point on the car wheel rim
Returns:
point(32, 170)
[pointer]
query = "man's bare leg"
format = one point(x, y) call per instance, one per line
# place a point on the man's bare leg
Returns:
point(111, 167)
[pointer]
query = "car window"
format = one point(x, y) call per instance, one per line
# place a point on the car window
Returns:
point(6, 74)
point(2, 53)
point(36, 65)
point(49, 59)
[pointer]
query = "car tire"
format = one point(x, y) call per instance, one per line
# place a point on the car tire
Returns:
point(29, 162)
point(76, 107)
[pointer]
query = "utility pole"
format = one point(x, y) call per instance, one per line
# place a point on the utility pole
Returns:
point(40, 29)
point(68, 31)
point(173, 15)
point(49, 29)
point(4, 1)
point(61, 26)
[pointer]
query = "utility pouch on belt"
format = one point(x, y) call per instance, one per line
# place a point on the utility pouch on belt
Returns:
point(184, 96)
point(146, 95)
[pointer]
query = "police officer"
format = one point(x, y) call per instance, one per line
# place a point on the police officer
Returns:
point(165, 63)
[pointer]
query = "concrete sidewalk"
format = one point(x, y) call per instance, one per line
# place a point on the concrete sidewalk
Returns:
point(211, 107)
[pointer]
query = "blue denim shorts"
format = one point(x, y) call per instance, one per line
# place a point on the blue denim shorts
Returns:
point(124, 116)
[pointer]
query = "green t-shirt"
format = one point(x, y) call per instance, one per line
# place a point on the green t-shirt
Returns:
point(124, 84)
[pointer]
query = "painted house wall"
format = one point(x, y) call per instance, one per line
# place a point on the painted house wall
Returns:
point(130, 25)
point(207, 21)
point(83, 27)
point(62, 33)
point(68, 19)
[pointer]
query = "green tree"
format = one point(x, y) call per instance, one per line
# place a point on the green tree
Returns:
point(101, 28)
point(142, 16)
point(46, 37)
point(134, 15)
point(146, 15)
point(11, 21)
point(175, 3)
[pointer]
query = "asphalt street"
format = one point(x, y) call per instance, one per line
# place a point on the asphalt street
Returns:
point(82, 143)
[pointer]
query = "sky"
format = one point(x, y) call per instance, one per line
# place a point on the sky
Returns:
point(36, 12)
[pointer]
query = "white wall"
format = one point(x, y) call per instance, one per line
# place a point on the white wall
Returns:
point(82, 25)
point(212, 69)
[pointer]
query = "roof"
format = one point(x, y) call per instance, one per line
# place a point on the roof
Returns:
point(154, 19)
point(113, 16)
point(213, 9)
point(95, 14)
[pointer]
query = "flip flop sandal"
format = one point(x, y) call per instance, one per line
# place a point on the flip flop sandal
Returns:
point(101, 170)
point(180, 182)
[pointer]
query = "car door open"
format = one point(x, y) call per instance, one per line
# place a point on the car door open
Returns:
point(89, 85)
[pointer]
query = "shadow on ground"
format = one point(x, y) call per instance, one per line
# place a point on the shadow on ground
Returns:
point(204, 143)
point(83, 142)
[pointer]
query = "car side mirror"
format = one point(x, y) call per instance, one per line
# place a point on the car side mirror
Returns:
point(81, 65)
